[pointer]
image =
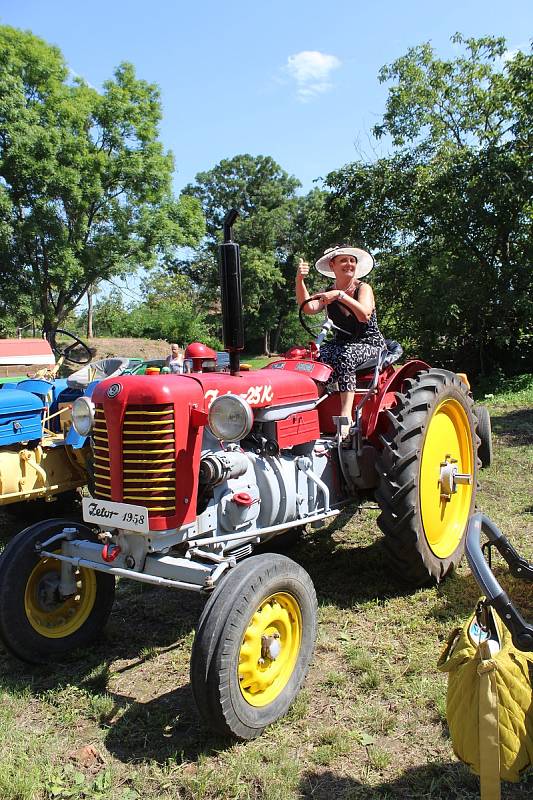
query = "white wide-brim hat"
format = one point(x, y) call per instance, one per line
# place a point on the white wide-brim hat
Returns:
point(365, 262)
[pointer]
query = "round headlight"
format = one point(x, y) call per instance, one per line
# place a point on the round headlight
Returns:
point(83, 415)
point(230, 418)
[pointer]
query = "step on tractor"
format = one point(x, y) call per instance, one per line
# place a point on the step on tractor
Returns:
point(41, 456)
point(196, 473)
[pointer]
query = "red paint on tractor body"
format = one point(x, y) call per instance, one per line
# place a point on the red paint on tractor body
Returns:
point(189, 398)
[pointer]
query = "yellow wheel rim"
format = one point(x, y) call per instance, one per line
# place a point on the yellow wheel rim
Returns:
point(46, 612)
point(270, 649)
point(448, 441)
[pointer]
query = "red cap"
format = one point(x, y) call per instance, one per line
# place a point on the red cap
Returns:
point(199, 350)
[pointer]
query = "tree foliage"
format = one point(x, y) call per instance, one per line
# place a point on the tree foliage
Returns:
point(85, 185)
point(85, 194)
point(450, 209)
point(265, 196)
point(169, 310)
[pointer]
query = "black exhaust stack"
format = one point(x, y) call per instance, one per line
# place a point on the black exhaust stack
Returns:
point(230, 289)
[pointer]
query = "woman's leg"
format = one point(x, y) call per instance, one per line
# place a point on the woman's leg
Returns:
point(332, 353)
point(352, 356)
point(347, 404)
point(345, 358)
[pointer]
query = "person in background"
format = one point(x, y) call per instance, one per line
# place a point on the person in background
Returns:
point(174, 361)
point(350, 305)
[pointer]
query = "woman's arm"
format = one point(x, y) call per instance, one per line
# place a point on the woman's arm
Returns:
point(363, 306)
point(301, 290)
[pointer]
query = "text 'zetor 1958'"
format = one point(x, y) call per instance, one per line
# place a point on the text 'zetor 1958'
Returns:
point(194, 474)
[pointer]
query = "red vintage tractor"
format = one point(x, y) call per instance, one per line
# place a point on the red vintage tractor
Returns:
point(193, 472)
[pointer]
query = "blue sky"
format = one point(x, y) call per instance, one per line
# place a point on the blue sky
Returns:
point(291, 79)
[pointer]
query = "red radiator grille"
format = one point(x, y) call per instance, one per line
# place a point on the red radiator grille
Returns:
point(148, 458)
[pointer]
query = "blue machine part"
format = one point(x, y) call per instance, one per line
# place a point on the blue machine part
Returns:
point(52, 393)
point(74, 439)
point(36, 386)
point(20, 416)
point(49, 390)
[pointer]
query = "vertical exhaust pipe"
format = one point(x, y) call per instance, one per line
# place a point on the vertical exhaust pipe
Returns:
point(231, 294)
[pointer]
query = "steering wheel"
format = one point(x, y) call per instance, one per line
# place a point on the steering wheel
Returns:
point(316, 332)
point(68, 351)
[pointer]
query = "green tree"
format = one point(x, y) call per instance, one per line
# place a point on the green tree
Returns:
point(265, 196)
point(308, 237)
point(450, 210)
point(85, 185)
point(169, 310)
point(110, 316)
point(172, 310)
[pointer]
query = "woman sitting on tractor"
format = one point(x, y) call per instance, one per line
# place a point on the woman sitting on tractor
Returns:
point(350, 305)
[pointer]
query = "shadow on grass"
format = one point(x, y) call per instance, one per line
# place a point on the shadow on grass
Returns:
point(166, 727)
point(155, 730)
point(515, 428)
point(346, 573)
point(17, 516)
point(144, 618)
point(462, 594)
point(444, 781)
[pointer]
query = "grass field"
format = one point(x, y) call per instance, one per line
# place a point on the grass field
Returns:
point(118, 722)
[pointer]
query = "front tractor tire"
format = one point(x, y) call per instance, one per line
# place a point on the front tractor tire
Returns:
point(37, 624)
point(253, 645)
point(428, 476)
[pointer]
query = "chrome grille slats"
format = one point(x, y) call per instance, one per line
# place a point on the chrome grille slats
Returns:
point(102, 472)
point(148, 457)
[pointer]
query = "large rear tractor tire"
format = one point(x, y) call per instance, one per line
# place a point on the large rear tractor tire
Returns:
point(484, 431)
point(36, 623)
point(253, 645)
point(428, 476)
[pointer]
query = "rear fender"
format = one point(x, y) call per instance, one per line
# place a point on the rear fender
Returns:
point(373, 415)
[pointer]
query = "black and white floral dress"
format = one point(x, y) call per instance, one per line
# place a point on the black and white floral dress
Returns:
point(357, 343)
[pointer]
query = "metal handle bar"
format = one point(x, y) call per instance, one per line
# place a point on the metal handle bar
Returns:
point(327, 325)
point(521, 631)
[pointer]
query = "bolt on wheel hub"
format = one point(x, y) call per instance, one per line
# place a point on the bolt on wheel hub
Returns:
point(47, 591)
point(450, 477)
point(270, 647)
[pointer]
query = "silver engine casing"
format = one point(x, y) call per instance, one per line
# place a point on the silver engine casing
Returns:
point(270, 491)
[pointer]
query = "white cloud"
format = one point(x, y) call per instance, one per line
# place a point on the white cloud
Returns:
point(311, 71)
point(510, 54)
point(74, 75)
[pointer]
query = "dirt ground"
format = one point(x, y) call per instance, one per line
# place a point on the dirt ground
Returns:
point(130, 348)
point(104, 347)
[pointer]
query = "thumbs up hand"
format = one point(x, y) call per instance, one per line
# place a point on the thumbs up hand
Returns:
point(303, 268)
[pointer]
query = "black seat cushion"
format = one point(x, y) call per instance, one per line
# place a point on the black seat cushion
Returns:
point(390, 353)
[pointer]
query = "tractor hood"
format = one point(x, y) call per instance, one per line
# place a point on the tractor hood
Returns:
point(259, 388)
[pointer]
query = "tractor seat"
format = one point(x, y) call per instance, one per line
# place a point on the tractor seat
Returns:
point(97, 371)
point(390, 353)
